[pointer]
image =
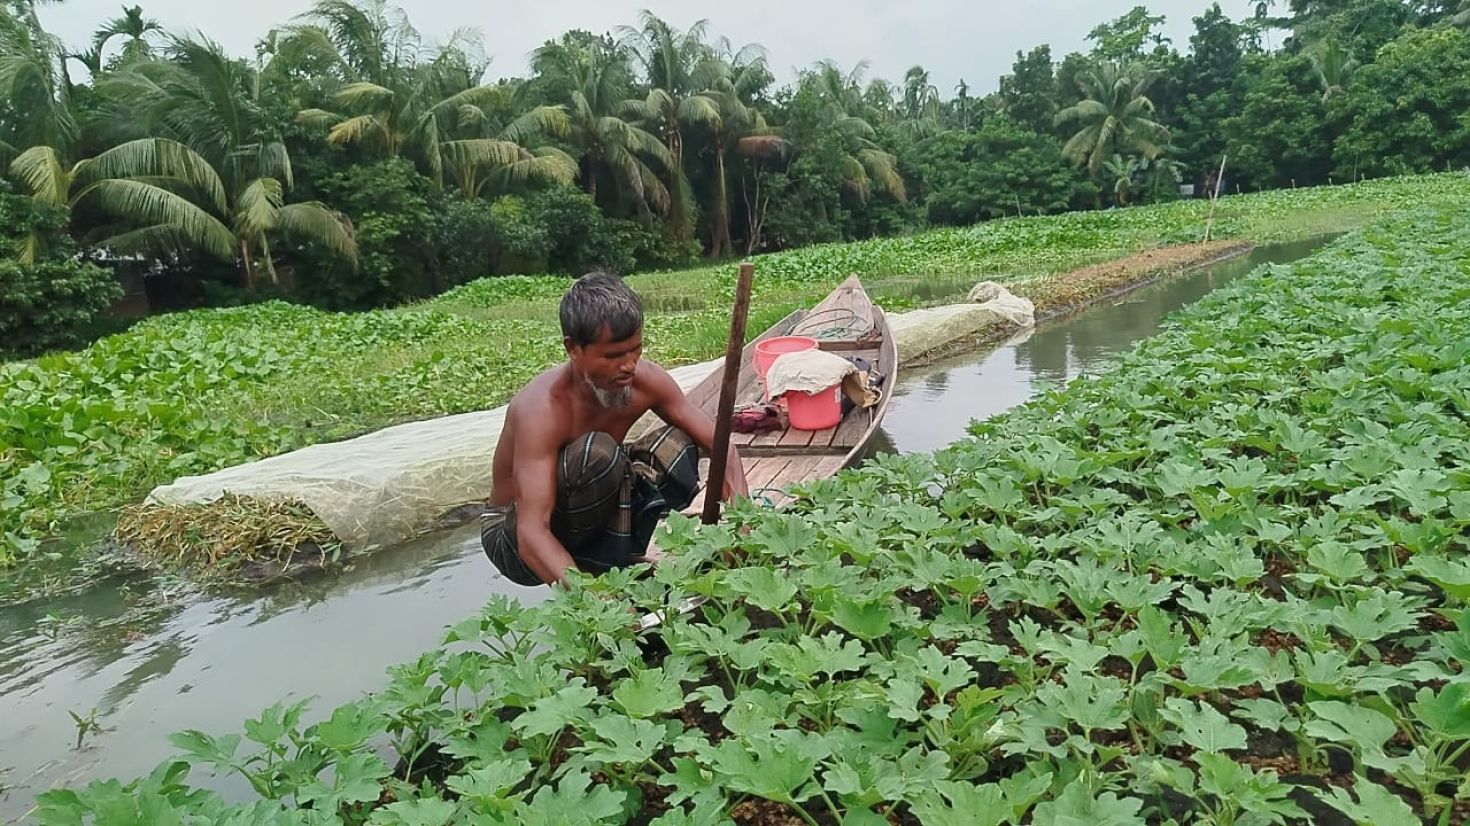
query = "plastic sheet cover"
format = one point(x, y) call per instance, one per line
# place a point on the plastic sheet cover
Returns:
point(384, 487)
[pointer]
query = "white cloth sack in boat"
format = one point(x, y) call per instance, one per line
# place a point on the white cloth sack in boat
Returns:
point(812, 371)
point(384, 487)
point(921, 331)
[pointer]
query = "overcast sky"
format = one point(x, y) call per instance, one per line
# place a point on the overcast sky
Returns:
point(971, 39)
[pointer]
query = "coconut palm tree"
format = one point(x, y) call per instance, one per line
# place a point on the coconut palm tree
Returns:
point(1114, 116)
point(1334, 67)
point(366, 41)
point(394, 101)
point(920, 97)
point(174, 201)
point(598, 80)
point(737, 77)
point(447, 130)
point(34, 91)
point(844, 114)
point(193, 171)
point(139, 33)
point(679, 69)
point(881, 101)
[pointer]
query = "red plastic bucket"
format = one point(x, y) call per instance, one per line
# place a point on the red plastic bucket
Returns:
point(814, 411)
point(766, 352)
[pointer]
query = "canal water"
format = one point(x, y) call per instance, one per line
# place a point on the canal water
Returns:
point(143, 659)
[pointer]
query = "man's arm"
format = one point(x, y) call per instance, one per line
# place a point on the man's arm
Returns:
point(673, 407)
point(535, 452)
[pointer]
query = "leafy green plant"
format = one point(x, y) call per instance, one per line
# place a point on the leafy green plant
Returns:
point(1192, 615)
point(86, 726)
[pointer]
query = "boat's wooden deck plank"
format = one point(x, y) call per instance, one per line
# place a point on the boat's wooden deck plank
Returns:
point(793, 438)
point(765, 471)
point(768, 476)
point(851, 431)
point(801, 469)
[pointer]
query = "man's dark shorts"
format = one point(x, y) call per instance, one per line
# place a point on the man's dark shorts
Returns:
point(609, 499)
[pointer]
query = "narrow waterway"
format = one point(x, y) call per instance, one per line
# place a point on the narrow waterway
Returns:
point(143, 660)
point(933, 405)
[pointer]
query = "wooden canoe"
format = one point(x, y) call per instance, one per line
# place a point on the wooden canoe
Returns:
point(845, 322)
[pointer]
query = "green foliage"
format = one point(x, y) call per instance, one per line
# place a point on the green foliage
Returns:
point(1124, 38)
point(1127, 658)
point(1028, 94)
point(1279, 137)
point(1116, 116)
point(1212, 86)
point(55, 301)
point(52, 304)
point(194, 392)
point(683, 143)
point(1405, 112)
point(466, 239)
point(578, 237)
point(393, 219)
point(1002, 169)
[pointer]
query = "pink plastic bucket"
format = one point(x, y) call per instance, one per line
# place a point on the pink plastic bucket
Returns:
point(766, 352)
point(814, 411)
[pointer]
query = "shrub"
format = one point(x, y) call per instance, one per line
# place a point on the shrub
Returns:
point(991, 173)
point(55, 302)
point(580, 238)
point(52, 304)
point(389, 204)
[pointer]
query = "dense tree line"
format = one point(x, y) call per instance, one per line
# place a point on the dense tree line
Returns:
point(347, 164)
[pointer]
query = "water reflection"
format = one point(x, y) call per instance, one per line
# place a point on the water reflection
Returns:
point(933, 405)
point(152, 663)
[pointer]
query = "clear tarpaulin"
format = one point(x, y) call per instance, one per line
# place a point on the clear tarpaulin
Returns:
point(922, 331)
point(381, 488)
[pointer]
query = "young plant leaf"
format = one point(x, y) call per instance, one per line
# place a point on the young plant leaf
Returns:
point(1077, 806)
point(1374, 806)
point(648, 693)
point(1202, 727)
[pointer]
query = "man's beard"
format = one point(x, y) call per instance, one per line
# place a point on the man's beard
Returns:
point(616, 399)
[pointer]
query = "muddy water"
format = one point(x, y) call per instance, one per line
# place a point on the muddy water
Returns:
point(933, 405)
point(145, 661)
point(150, 662)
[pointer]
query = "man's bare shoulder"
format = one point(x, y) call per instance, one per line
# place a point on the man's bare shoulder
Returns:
point(537, 399)
point(652, 374)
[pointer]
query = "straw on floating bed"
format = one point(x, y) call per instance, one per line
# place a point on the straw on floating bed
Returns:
point(234, 538)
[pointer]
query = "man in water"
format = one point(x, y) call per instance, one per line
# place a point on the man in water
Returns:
point(568, 493)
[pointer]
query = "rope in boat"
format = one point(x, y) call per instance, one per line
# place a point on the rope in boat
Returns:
point(849, 327)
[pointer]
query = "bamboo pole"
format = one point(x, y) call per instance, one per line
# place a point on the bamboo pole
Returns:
point(729, 384)
point(1219, 178)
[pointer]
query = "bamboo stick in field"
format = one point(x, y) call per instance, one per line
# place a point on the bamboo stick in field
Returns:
point(1220, 177)
point(730, 383)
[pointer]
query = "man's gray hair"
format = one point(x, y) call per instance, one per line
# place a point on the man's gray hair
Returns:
point(600, 299)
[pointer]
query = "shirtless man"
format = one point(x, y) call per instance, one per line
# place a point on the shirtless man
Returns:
point(567, 491)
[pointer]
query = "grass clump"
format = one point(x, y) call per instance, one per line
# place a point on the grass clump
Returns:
point(231, 538)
